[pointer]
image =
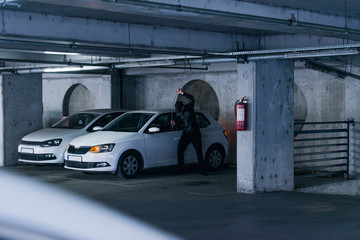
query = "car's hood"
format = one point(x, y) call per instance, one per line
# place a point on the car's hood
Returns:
point(102, 137)
point(52, 133)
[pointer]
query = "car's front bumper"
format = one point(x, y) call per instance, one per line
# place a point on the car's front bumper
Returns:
point(41, 155)
point(91, 162)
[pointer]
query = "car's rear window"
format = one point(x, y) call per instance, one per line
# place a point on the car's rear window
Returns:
point(202, 121)
point(76, 121)
point(129, 122)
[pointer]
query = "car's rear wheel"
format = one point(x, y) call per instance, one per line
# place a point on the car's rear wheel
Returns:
point(215, 157)
point(129, 164)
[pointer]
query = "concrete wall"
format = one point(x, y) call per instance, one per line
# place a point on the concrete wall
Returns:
point(55, 86)
point(329, 98)
point(352, 111)
point(324, 95)
point(22, 111)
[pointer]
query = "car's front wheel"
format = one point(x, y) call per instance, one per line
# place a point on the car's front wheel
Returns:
point(215, 157)
point(129, 164)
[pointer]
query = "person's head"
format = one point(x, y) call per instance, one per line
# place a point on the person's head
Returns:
point(179, 106)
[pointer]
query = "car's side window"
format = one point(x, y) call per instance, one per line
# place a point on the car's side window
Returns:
point(202, 121)
point(163, 122)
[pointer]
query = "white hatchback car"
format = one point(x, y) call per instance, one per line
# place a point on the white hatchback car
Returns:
point(49, 144)
point(143, 139)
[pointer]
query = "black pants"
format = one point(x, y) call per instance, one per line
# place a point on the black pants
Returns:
point(185, 140)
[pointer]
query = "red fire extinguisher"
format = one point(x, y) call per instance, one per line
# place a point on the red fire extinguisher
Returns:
point(241, 114)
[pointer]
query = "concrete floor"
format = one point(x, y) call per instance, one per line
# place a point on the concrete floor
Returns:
point(193, 206)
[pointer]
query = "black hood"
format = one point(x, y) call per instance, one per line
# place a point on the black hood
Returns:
point(178, 106)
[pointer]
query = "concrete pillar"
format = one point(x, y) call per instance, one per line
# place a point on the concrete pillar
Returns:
point(130, 93)
point(2, 157)
point(265, 150)
point(22, 111)
point(116, 89)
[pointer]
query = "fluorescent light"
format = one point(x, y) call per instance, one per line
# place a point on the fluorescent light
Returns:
point(62, 53)
point(74, 69)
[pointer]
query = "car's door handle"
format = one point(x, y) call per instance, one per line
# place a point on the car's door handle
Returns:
point(176, 138)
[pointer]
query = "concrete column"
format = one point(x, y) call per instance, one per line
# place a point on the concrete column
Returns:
point(2, 158)
point(116, 89)
point(265, 150)
point(131, 95)
point(22, 111)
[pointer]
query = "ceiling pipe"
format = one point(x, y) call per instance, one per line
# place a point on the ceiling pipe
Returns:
point(50, 69)
point(206, 61)
point(285, 22)
point(286, 50)
point(330, 70)
point(239, 57)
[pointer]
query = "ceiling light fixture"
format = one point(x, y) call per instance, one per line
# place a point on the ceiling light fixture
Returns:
point(74, 69)
point(62, 53)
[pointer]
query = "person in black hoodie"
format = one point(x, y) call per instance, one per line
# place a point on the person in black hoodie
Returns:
point(186, 119)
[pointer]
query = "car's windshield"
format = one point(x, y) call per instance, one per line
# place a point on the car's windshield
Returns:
point(129, 122)
point(76, 121)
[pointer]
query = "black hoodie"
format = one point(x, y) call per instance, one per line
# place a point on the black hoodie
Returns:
point(186, 119)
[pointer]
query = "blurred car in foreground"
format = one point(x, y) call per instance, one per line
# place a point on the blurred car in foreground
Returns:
point(48, 145)
point(36, 211)
point(143, 139)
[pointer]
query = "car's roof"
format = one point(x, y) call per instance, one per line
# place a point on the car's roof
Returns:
point(153, 111)
point(158, 111)
point(103, 110)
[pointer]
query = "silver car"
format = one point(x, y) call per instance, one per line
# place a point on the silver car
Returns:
point(49, 144)
point(143, 139)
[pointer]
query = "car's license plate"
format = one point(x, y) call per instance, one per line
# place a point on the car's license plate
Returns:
point(27, 150)
point(74, 158)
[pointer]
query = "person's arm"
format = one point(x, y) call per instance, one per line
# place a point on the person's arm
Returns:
point(191, 103)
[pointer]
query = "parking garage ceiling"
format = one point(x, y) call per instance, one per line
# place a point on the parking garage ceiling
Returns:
point(127, 33)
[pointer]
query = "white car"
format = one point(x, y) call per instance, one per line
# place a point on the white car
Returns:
point(48, 145)
point(143, 139)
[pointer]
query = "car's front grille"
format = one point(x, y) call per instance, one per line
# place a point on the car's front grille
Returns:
point(75, 164)
point(37, 157)
point(81, 150)
point(31, 143)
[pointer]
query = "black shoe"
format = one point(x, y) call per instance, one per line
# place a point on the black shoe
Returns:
point(204, 173)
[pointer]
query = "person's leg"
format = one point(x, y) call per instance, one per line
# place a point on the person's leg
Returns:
point(196, 141)
point(183, 143)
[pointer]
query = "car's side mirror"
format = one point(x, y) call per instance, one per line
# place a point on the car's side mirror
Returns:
point(154, 130)
point(97, 128)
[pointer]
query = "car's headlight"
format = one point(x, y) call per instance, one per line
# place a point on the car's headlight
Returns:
point(51, 143)
point(102, 148)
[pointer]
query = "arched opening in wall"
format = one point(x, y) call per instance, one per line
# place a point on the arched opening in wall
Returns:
point(300, 107)
point(205, 97)
point(77, 98)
